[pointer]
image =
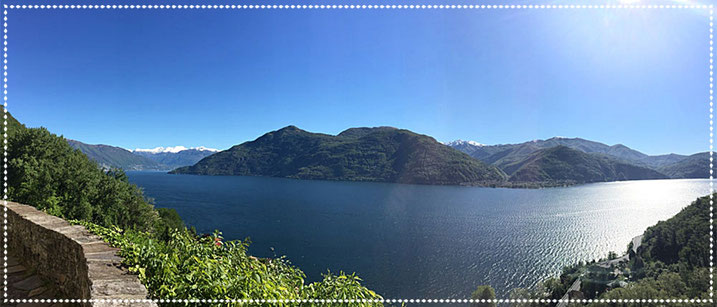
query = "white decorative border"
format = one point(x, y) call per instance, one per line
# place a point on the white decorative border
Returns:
point(712, 190)
point(4, 168)
point(351, 6)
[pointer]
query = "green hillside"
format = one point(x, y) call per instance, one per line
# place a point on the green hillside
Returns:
point(13, 125)
point(506, 156)
point(358, 154)
point(564, 164)
point(694, 166)
point(111, 156)
point(673, 260)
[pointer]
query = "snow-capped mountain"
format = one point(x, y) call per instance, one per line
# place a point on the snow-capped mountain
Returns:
point(174, 149)
point(457, 143)
point(468, 147)
point(175, 156)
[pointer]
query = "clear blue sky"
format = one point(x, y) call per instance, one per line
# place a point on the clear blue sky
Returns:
point(147, 78)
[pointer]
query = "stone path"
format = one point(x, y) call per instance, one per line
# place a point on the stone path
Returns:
point(24, 284)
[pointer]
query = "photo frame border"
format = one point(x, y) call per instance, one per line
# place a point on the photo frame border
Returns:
point(7, 7)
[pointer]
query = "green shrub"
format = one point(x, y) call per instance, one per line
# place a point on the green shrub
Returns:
point(187, 266)
point(483, 292)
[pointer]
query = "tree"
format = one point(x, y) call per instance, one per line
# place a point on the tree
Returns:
point(45, 172)
point(483, 292)
point(534, 293)
point(169, 220)
point(612, 255)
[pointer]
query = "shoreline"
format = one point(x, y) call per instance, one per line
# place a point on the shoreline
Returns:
point(490, 184)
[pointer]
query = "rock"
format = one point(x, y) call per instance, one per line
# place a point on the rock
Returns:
point(37, 291)
point(15, 269)
point(29, 283)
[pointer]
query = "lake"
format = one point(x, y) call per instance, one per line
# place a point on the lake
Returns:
point(417, 241)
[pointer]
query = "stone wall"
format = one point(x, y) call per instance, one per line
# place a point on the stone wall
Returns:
point(79, 264)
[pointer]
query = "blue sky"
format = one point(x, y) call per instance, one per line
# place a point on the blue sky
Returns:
point(148, 78)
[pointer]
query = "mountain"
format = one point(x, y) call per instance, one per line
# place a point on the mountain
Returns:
point(469, 147)
point(110, 156)
point(694, 166)
point(174, 157)
point(159, 158)
point(509, 153)
point(566, 165)
point(662, 160)
point(358, 154)
point(673, 165)
point(106, 156)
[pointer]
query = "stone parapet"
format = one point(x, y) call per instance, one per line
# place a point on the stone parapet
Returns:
point(78, 264)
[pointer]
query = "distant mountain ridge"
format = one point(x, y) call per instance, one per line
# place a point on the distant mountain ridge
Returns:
point(110, 156)
point(173, 157)
point(389, 154)
point(566, 165)
point(694, 166)
point(173, 149)
point(160, 158)
point(358, 154)
point(508, 156)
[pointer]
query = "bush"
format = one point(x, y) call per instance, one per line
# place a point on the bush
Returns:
point(187, 266)
point(483, 292)
point(169, 220)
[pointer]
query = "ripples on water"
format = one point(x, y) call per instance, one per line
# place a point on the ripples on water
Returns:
point(411, 241)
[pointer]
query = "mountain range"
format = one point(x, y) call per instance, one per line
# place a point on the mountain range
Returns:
point(159, 158)
point(397, 155)
point(558, 159)
point(388, 154)
point(174, 157)
point(358, 154)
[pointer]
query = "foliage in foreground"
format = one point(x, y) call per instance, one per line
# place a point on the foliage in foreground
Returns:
point(47, 173)
point(187, 266)
point(171, 261)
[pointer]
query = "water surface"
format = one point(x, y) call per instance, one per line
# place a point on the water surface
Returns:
point(417, 241)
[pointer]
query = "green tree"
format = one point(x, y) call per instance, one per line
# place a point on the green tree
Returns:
point(483, 292)
point(169, 221)
point(45, 172)
point(612, 255)
point(535, 293)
